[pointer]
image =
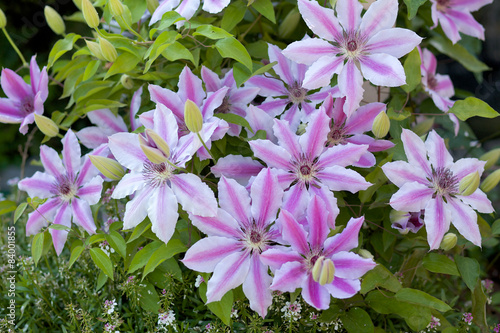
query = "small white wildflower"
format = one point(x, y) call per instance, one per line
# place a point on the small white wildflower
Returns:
point(291, 311)
point(234, 313)
point(109, 306)
point(199, 280)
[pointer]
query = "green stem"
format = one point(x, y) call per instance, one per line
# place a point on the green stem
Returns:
point(204, 145)
point(25, 64)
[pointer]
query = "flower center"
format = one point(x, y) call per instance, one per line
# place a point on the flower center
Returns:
point(312, 257)
point(432, 82)
point(296, 93)
point(65, 187)
point(256, 238)
point(352, 46)
point(444, 182)
point(305, 170)
point(157, 174)
point(225, 106)
point(443, 5)
point(27, 105)
point(336, 136)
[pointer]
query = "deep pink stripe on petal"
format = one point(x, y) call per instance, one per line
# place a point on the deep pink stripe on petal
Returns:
point(256, 286)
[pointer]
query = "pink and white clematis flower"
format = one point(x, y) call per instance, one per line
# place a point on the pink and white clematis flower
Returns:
point(305, 167)
point(23, 100)
point(158, 187)
point(187, 8)
point(430, 181)
point(288, 92)
point(242, 229)
point(71, 187)
point(455, 17)
point(294, 265)
point(349, 43)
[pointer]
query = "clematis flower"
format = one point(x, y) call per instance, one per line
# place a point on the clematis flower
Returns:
point(159, 186)
point(406, 221)
point(187, 8)
point(70, 186)
point(438, 86)
point(236, 100)
point(242, 229)
point(288, 92)
point(305, 167)
point(349, 43)
point(455, 17)
point(23, 100)
point(295, 266)
point(430, 181)
point(344, 130)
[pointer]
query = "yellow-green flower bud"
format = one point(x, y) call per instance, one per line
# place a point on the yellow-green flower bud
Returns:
point(90, 14)
point(46, 125)
point(469, 184)
point(126, 81)
point(108, 50)
point(381, 125)
point(78, 4)
point(289, 24)
point(491, 181)
point(108, 167)
point(365, 254)
point(491, 158)
point(316, 271)
point(301, 129)
point(154, 154)
point(54, 20)
point(192, 116)
point(159, 142)
point(423, 127)
point(449, 241)
point(323, 271)
point(151, 5)
point(116, 7)
point(95, 49)
point(3, 19)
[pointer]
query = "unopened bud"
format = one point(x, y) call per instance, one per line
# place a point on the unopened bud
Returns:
point(54, 20)
point(423, 127)
point(365, 254)
point(95, 49)
point(126, 81)
point(154, 154)
point(301, 129)
point(46, 125)
point(192, 117)
point(290, 22)
point(3, 19)
point(158, 141)
point(108, 167)
point(151, 5)
point(449, 241)
point(323, 271)
point(381, 125)
point(491, 158)
point(90, 14)
point(469, 184)
point(116, 7)
point(108, 50)
point(491, 181)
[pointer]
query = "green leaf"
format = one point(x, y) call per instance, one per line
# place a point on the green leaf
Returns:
point(91, 69)
point(459, 53)
point(117, 242)
point(164, 252)
point(165, 39)
point(94, 239)
point(379, 277)
point(148, 297)
point(412, 71)
point(167, 20)
point(139, 230)
point(176, 51)
point(265, 7)
point(211, 32)
point(231, 48)
point(141, 258)
point(234, 119)
point(7, 206)
point(19, 211)
point(241, 74)
point(137, 8)
point(357, 320)
point(102, 261)
point(412, 6)
point(472, 107)
point(61, 47)
point(75, 254)
point(469, 270)
point(439, 263)
point(123, 64)
point(101, 280)
point(37, 247)
point(59, 227)
point(233, 14)
point(421, 298)
point(495, 227)
point(222, 308)
point(479, 301)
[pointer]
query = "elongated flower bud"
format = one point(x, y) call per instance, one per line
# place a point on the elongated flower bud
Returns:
point(156, 153)
point(108, 50)
point(491, 158)
point(381, 125)
point(365, 254)
point(46, 125)
point(90, 14)
point(469, 184)
point(95, 49)
point(289, 24)
point(116, 7)
point(126, 81)
point(151, 5)
point(449, 241)
point(323, 271)
point(108, 167)
point(192, 117)
point(158, 141)
point(3, 19)
point(54, 20)
point(491, 181)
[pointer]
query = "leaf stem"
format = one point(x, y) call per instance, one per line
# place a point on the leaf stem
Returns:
point(25, 64)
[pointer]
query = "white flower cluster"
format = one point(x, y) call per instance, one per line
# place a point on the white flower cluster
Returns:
point(106, 248)
point(109, 306)
point(291, 311)
point(199, 281)
point(166, 319)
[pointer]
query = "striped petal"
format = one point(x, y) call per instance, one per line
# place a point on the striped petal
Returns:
point(411, 197)
point(234, 199)
point(223, 224)
point(256, 286)
point(437, 221)
point(289, 277)
point(82, 215)
point(315, 294)
point(267, 197)
point(194, 196)
point(162, 210)
point(346, 240)
point(63, 217)
point(206, 253)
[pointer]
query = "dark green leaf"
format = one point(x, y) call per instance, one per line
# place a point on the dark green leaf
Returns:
point(75, 254)
point(412, 71)
point(265, 7)
point(379, 277)
point(164, 252)
point(211, 32)
point(479, 301)
point(117, 242)
point(472, 107)
point(142, 257)
point(102, 261)
point(7, 206)
point(19, 211)
point(222, 308)
point(101, 280)
point(495, 228)
point(421, 298)
point(37, 247)
point(139, 230)
point(357, 320)
point(412, 6)
point(148, 297)
point(439, 263)
point(176, 51)
point(469, 270)
point(231, 48)
point(233, 14)
point(234, 119)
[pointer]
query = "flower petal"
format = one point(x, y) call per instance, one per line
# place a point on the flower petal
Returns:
point(92, 136)
point(51, 161)
point(223, 224)
point(295, 200)
point(136, 209)
point(351, 86)
point(268, 86)
point(267, 197)
point(211, 79)
point(466, 166)
point(479, 201)
point(330, 201)
point(338, 178)
point(206, 253)
point(464, 219)
point(411, 197)
point(234, 199)
point(106, 119)
point(380, 15)
point(322, 21)
point(321, 72)
point(283, 67)
point(14, 86)
point(168, 98)
point(315, 294)
point(194, 196)
point(238, 167)
point(162, 211)
point(415, 151)
point(289, 277)
point(343, 288)
point(346, 240)
point(215, 6)
point(309, 50)
point(400, 172)
point(317, 220)
point(362, 120)
point(273, 155)
point(190, 87)
point(71, 153)
point(396, 42)
point(293, 233)
point(10, 112)
point(130, 183)
point(40, 218)
point(437, 221)
point(91, 191)
point(437, 152)
point(165, 6)
point(82, 215)
point(63, 217)
point(349, 265)
point(349, 14)
point(40, 185)
point(125, 147)
point(383, 70)
point(256, 286)
point(313, 140)
point(341, 155)
point(278, 256)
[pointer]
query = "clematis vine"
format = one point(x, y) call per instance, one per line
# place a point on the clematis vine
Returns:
point(288, 92)
point(187, 8)
point(159, 185)
point(455, 17)
point(352, 47)
point(305, 167)
point(312, 253)
point(23, 100)
point(430, 181)
point(70, 186)
point(242, 229)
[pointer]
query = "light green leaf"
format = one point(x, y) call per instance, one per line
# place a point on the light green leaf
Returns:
point(495, 228)
point(164, 252)
point(148, 297)
point(211, 32)
point(439, 263)
point(75, 254)
point(141, 258)
point(357, 320)
point(412, 6)
point(233, 14)
point(19, 211)
point(137, 8)
point(176, 51)
point(7, 206)
point(139, 230)
point(234, 119)
point(472, 107)
point(231, 48)
point(94, 239)
point(101, 280)
point(421, 298)
point(222, 308)
point(59, 227)
point(117, 242)
point(102, 261)
point(91, 69)
point(61, 47)
point(37, 247)
point(412, 71)
point(469, 270)
point(123, 64)
point(379, 277)
point(265, 7)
